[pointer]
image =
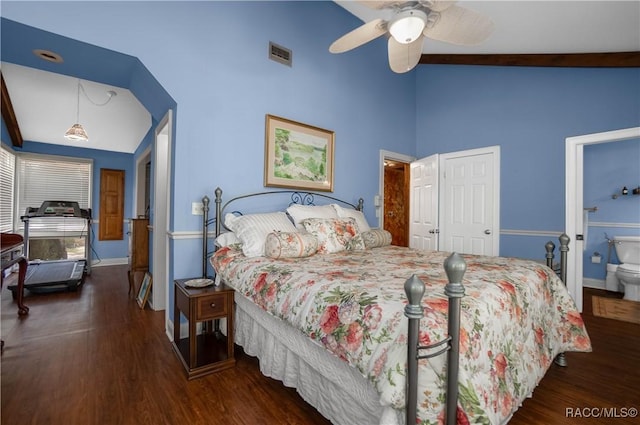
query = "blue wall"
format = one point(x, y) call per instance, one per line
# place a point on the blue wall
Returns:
point(211, 57)
point(529, 112)
point(609, 167)
point(101, 159)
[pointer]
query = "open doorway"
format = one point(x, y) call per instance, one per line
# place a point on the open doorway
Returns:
point(574, 202)
point(142, 203)
point(392, 206)
point(396, 201)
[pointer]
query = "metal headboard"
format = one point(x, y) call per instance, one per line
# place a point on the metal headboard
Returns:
point(295, 197)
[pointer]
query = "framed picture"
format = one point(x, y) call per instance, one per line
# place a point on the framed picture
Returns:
point(145, 290)
point(297, 155)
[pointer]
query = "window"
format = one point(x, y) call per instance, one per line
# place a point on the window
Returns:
point(7, 176)
point(54, 178)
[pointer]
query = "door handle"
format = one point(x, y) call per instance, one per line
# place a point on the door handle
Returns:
point(433, 231)
point(487, 231)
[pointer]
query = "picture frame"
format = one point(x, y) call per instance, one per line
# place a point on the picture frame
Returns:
point(297, 155)
point(145, 290)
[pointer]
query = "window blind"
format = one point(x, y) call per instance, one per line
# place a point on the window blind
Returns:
point(49, 178)
point(7, 177)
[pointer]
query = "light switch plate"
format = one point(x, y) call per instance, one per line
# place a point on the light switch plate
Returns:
point(197, 208)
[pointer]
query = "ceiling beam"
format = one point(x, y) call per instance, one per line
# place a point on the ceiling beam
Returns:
point(9, 116)
point(590, 60)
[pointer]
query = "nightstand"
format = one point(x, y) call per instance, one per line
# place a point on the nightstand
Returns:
point(211, 351)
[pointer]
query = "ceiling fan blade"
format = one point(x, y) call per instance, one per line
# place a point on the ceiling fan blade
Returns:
point(382, 4)
point(404, 57)
point(438, 5)
point(359, 36)
point(458, 25)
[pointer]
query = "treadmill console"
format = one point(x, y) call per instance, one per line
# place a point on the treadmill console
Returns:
point(59, 209)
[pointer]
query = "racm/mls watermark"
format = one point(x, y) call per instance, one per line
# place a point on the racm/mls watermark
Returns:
point(601, 412)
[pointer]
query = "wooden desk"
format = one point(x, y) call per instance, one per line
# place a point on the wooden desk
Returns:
point(210, 351)
point(13, 253)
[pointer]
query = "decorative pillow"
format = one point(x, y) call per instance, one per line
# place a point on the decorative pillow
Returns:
point(252, 229)
point(334, 234)
point(361, 221)
point(290, 245)
point(376, 237)
point(226, 239)
point(301, 212)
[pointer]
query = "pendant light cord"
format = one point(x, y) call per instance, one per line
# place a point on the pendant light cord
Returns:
point(78, 104)
point(111, 94)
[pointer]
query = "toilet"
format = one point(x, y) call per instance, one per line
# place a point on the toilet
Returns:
point(628, 272)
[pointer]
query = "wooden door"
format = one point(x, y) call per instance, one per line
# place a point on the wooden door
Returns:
point(111, 221)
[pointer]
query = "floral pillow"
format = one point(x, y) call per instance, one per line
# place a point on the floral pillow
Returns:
point(361, 221)
point(375, 238)
point(334, 234)
point(290, 245)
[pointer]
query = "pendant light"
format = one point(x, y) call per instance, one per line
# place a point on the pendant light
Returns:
point(76, 132)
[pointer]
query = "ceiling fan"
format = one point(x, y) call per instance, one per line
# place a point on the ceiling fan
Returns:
point(411, 22)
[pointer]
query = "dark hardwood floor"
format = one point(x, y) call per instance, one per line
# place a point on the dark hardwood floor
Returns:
point(93, 357)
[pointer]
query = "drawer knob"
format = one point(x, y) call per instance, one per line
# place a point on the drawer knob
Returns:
point(213, 305)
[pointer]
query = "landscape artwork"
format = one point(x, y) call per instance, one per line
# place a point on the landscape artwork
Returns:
point(297, 155)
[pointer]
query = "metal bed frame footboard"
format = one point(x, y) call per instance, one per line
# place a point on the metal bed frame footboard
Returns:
point(455, 268)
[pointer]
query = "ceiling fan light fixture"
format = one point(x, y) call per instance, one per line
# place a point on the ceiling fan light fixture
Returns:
point(407, 25)
point(76, 133)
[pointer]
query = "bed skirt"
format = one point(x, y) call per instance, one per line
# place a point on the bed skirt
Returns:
point(338, 391)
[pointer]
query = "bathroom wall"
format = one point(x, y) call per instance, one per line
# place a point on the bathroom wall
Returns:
point(609, 167)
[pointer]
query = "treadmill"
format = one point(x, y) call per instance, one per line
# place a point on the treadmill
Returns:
point(55, 275)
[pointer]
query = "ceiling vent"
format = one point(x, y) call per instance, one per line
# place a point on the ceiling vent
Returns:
point(280, 54)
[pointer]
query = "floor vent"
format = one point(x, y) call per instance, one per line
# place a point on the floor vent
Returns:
point(280, 54)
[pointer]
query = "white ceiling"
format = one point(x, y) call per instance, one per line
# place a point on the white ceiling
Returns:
point(45, 105)
point(45, 102)
point(541, 26)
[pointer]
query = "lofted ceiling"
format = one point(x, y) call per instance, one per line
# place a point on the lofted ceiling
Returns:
point(538, 33)
point(46, 105)
point(40, 91)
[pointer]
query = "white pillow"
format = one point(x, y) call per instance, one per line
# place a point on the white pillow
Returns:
point(361, 220)
point(252, 229)
point(226, 239)
point(301, 212)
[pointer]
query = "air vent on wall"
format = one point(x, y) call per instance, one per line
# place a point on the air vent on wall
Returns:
point(280, 54)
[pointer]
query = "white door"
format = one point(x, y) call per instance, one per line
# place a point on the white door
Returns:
point(468, 213)
point(423, 217)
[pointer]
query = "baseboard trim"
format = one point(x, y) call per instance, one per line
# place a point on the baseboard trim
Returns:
point(593, 283)
point(110, 262)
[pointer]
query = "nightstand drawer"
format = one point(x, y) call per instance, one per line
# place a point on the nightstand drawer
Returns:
point(212, 306)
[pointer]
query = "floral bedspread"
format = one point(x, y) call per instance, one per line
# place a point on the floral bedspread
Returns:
point(516, 317)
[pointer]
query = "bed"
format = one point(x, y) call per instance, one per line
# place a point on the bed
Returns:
point(361, 328)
